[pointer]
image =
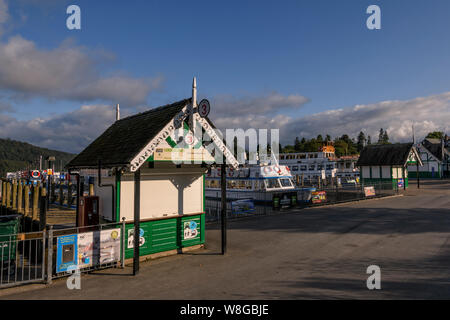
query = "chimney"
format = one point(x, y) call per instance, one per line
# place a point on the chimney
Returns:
point(117, 112)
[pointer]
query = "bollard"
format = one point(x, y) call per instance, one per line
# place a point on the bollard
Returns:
point(35, 203)
point(20, 197)
point(8, 195)
point(26, 200)
point(43, 210)
point(14, 195)
point(3, 193)
point(91, 189)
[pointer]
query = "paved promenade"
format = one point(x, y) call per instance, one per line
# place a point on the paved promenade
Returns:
point(314, 253)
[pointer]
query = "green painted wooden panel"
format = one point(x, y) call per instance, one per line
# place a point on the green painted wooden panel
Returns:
point(166, 234)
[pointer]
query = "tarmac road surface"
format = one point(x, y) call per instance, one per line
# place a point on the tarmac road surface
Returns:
point(315, 253)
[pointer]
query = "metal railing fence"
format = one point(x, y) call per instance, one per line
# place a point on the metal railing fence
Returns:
point(263, 201)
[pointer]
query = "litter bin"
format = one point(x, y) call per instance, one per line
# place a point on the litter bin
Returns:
point(9, 226)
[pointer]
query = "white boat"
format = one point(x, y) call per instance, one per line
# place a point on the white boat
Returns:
point(261, 183)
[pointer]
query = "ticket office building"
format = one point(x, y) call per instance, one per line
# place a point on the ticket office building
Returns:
point(172, 196)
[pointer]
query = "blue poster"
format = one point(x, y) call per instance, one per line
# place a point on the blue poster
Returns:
point(242, 206)
point(66, 257)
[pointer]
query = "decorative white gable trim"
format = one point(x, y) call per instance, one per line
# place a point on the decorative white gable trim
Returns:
point(149, 149)
point(217, 141)
point(169, 129)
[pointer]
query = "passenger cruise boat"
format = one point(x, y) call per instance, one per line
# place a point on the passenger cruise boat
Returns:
point(258, 182)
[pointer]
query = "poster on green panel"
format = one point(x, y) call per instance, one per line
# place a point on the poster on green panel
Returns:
point(190, 230)
point(130, 242)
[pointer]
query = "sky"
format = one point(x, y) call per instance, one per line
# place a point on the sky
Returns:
point(306, 67)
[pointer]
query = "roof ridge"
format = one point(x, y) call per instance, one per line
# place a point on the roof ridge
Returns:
point(154, 109)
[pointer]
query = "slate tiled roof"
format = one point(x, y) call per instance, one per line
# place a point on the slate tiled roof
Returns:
point(385, 155)
point(123, 140)
point(435, 147)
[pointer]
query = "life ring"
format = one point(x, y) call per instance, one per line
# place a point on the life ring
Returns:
point(267, 169)
point(35, 174)
point(277, 169)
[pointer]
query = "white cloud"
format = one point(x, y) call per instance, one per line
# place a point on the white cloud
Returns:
point(73, 131)
point(254, 111)
point(396, 116)
point(67, 72)
point(70, 132)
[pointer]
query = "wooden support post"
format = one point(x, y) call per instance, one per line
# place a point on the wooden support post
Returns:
point(61, 194)
point(14, 195)
point(20, 197)
point(8, 195)
point(26, 200)
point(3, 193)
point(137, 218)
point(35, 203)
point(43, 210)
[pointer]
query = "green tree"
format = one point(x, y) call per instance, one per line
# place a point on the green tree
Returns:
point(435, 135)
point(297, 145)
point(385, 137)
point(341, 147)
point(361, 141)
point(380, 136)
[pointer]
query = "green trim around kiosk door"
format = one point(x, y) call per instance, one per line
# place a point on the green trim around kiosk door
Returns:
point(166, 234)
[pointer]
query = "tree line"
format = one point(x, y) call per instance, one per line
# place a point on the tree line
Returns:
point(343, 145)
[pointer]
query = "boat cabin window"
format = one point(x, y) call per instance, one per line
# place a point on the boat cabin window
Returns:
point(285, 182)
point(212, 183)
point(272, 183)
point(259, 185)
